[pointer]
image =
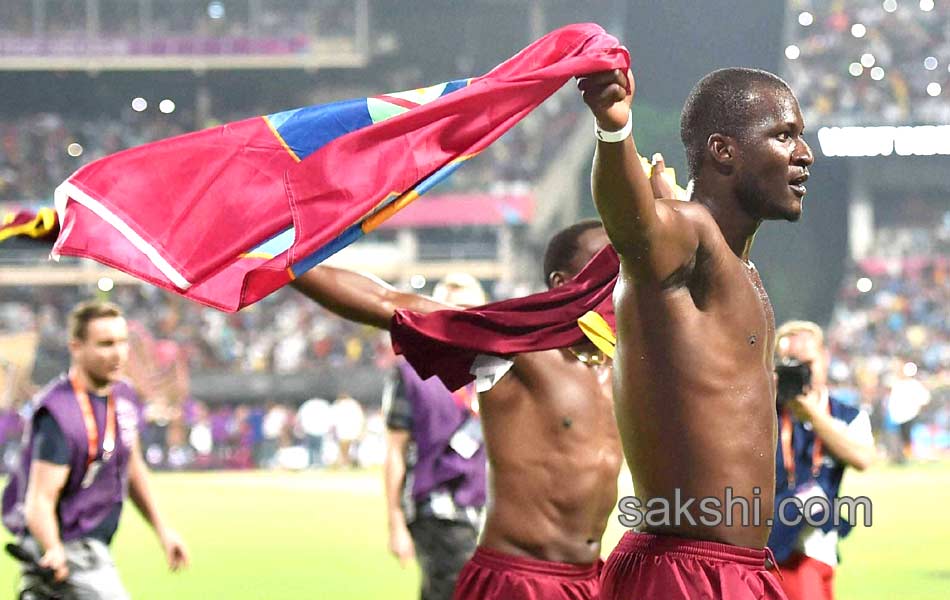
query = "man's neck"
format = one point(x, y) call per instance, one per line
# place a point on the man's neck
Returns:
point(99, 388)
point(737, 227)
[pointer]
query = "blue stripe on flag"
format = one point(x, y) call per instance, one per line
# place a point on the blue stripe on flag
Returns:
point(454, 85)
point(346, 238)
point(306, 130)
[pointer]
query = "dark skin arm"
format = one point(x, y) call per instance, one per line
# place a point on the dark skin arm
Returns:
point(652, 239)
point(360, 298)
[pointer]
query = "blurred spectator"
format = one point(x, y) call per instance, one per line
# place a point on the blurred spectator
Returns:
point(313, 420)
point(348, 420)
point(907, 396)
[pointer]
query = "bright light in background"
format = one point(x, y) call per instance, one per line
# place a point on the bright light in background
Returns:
point(855, 69)
point(216, 10)
point(105, 284)
point(166, 106)
point(417, 282)
point(877, 73)
point(890, 5)
point(930, 63)
point(805, 19)
point(864, 285)
point(858, 30)
point(139, 104)
point(74, 149)
point(792, 52)
point(926, 5)
point(867, 60)
point(933, 88)
point(910, 369)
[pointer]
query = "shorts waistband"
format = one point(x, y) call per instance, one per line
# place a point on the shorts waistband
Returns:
point(499, 561)
point(646, 543)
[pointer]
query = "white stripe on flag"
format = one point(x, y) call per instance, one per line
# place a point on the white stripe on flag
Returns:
point(67, 191)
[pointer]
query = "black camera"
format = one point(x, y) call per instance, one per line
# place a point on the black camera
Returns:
point(794, 377)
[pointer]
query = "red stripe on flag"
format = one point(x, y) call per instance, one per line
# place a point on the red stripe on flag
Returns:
point(398, 101)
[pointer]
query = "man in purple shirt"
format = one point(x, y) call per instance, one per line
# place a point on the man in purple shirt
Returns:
point(80, 459)
point(434, 472)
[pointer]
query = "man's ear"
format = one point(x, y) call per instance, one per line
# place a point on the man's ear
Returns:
point(722, 149)
point(557, 279)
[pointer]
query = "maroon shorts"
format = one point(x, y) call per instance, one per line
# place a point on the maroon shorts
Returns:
point(651, 566)
point(491, 575)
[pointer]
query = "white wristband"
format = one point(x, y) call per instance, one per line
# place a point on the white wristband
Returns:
point(612, 137)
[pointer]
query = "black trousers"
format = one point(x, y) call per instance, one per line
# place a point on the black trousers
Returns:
point(442, 548)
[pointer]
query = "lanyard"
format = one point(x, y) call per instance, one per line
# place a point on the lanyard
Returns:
point(92, 429)
point(788, 454)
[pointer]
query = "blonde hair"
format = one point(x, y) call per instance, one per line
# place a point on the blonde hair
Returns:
point(790, 328)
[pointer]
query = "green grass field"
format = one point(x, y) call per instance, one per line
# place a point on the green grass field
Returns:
point(322, 535)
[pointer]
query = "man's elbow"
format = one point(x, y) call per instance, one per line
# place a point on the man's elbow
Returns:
point(864, 459)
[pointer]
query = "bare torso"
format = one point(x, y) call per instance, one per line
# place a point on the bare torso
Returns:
point(554, 457)
point(694, 389)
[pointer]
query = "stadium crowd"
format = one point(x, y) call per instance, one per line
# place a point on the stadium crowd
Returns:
point(891, 326)
point(855, 62)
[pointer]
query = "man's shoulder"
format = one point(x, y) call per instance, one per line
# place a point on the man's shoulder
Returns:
point(124, 390)
point(692, 211)
point(57, 389)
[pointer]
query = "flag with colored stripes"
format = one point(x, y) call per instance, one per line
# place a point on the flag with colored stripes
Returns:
point(227, 215)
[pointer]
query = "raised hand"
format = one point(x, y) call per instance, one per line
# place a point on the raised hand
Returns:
point(606, 95)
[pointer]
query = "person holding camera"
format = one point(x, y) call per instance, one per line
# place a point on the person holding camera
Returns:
point(819, 437)
point(81, 458)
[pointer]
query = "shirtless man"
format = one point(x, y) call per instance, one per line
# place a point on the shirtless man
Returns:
point(550, 436)
point(693, 383)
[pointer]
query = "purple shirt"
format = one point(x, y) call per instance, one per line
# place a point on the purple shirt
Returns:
point(79, 509)
point(436, 414)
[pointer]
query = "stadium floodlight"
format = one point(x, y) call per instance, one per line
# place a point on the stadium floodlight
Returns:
point(877, 73)
point(926, 5)
point(858, 30)
point(890, 6)
point(864, 285)
point(792, 52)
point(216, 10)
point(855, 69)
point(166, 106)
point(139, 104)
point(105, 284)
point(74, 149)
point(933, 89)
point(806, 18)
point(930, 63)
point(867, 60)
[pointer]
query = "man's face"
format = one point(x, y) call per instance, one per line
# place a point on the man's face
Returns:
point(774, 158)
point(102, 355)
point(804, 347)
point(589, 243)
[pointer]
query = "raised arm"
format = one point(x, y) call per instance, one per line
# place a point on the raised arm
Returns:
point(652, 238)
point(360, 298)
